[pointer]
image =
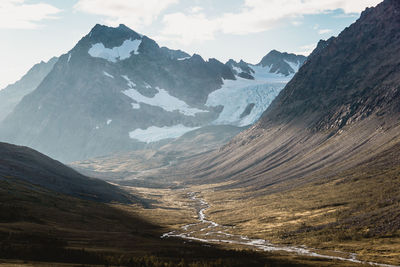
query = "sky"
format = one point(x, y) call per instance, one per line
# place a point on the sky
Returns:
point(36, 30)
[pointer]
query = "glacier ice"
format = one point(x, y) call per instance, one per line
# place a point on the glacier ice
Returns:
point(236, 95)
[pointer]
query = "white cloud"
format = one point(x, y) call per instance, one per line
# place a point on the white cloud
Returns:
point(324, 31)
point(16, 14)
point(344, 16)
point(255, 16)
point(134, 13)
point(195, 27)
point(297, 23)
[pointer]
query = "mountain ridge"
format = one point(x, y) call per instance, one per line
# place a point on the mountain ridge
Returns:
point(332, 113)
point(27, 165)
point(373, 33)
point(12, 94)
point(116, 88)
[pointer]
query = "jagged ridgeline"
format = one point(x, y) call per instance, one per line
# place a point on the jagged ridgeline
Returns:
point(340, 109)
point(117, 90)
point(13, 94)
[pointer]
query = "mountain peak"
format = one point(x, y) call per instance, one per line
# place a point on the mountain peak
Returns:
point(111, 36)
point(100, 28)
point(123, 26)
point(197, 58)
point(284, 63)
point(275, 52)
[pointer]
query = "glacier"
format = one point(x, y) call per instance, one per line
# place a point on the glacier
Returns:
point(236, 95)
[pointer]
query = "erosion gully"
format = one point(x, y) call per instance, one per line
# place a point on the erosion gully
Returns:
point(208, 231)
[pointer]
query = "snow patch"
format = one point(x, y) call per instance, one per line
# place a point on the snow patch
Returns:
point(183, 58)
point(116, 53)
point(162, 99)
point(135, 105)
point(130, 83)
point(108, 74)
point(237, 69)
point(154, 134)
point(146, 85)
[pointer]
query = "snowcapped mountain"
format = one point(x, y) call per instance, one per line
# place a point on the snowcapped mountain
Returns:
point(13, 93)
point(118, 90)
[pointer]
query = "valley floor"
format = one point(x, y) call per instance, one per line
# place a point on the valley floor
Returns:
point(192, 218)
point(351, 213)
point(40, 228)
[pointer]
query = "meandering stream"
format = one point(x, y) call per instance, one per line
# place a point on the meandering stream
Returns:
point(208, 231)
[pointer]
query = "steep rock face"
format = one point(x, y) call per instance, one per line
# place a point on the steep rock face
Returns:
point(354, 76)
point(339, 110)
point(13, 93)
point(117, 90)
point(27, 165)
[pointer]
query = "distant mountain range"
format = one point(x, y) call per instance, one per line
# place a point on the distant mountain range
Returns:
point(117, 90)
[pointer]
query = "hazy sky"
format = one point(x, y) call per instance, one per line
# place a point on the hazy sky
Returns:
point(35, 30)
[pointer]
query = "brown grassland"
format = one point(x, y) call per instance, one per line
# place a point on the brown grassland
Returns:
point(40, 228)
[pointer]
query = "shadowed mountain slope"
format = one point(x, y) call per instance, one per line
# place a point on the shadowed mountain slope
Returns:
point(339, 110)
point(25, 164)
